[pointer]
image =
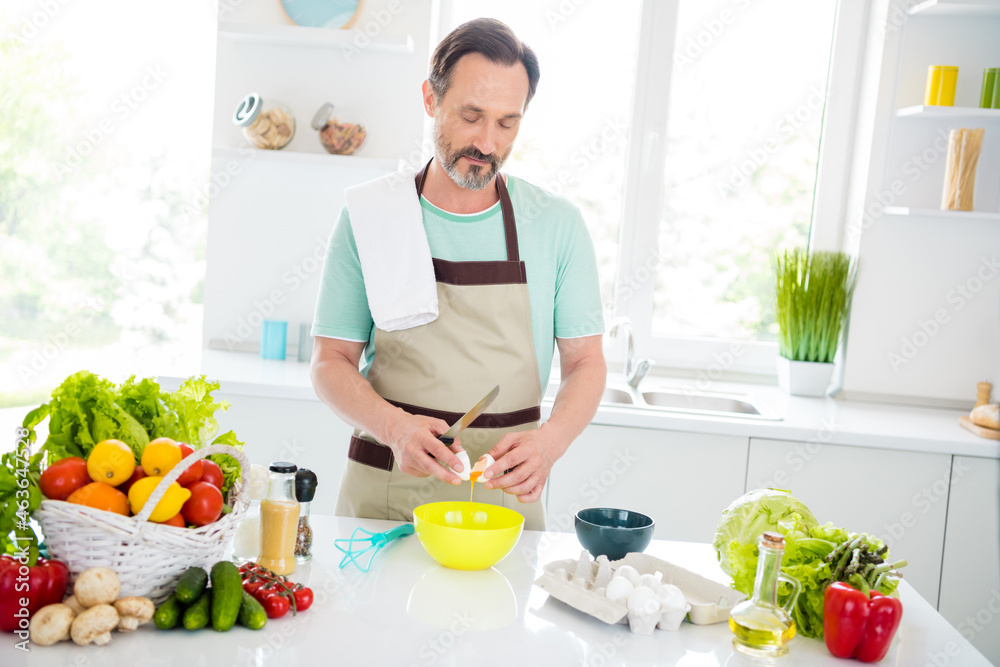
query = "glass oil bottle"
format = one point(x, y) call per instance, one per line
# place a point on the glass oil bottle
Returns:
point(761, 626)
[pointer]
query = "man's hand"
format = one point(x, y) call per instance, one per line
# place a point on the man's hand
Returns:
point(414, 441)
point(526, 456)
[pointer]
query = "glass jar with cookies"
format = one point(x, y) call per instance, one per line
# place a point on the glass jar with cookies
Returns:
point(267, 126)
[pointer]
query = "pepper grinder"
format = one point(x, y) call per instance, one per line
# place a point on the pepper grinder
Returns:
point(305, 489)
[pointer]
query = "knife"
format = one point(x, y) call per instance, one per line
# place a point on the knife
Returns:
point(448, 437)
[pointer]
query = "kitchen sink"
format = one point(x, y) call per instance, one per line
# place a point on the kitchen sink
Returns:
point(614, 396)
point(689, 402)
point(699, 402)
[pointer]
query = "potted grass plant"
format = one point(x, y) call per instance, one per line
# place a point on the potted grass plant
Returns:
point(813, 298)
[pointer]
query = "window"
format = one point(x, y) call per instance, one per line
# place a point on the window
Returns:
point(726, 103)
point(104, 146)
point(574, 137)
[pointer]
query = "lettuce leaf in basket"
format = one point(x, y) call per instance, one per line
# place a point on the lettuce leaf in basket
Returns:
point(229, 465)
point(190, 413)
point(83, 412)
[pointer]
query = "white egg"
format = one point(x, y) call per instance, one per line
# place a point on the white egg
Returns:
point(651, 582)
point(643, 600)
point(484, 462)
point(671, 597)
point(463, 456)
point(629, 573)
point(618, 589)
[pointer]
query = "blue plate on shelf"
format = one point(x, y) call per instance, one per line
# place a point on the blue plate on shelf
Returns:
point(322, 13)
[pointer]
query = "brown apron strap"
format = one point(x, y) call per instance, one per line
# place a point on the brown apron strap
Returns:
point(506, 208)
point(486, 420)
point(370, 453)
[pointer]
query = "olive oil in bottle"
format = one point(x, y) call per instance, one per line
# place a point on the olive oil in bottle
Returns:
point(761, 627)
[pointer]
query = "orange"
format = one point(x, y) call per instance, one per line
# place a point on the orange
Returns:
point(101, 496)
point(160, 456)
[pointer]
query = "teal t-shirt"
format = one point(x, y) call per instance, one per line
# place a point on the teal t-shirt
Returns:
point(554, 245)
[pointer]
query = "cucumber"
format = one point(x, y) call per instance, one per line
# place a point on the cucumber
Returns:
point(196, 616)
point(168, 614)
point(227, 595)
point(252, 614)
point(191, 584)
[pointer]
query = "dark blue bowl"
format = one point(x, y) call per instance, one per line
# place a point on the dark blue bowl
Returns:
point(604, 531)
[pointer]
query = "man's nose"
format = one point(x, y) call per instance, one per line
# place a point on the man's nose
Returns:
point(485, 141)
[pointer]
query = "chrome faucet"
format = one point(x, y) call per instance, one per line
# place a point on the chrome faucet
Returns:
point(634, 372)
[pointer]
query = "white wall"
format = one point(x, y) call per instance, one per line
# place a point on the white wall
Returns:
point(270, 221)
point(915, 335)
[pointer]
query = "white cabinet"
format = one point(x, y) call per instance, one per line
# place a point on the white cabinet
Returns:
point(901, 497)
point(682, 480)
point(304, 432)
point(970, 580)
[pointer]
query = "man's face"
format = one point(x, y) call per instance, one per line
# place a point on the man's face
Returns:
point(477, 119)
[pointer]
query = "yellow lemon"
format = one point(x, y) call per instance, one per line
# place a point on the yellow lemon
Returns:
point(169, 505)
point(111, 462)
point(160, 456)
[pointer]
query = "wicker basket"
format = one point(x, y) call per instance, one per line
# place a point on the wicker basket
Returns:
point(148, 557)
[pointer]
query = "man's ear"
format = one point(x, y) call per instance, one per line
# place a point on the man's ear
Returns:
point(430, 104)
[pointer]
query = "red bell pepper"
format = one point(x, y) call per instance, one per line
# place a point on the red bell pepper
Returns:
point(857, 624)
point(25, 591)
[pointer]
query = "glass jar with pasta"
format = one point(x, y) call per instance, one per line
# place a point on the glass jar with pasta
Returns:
point(341, 132)
point(267, 126)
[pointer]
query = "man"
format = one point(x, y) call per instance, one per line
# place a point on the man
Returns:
point(515, 272)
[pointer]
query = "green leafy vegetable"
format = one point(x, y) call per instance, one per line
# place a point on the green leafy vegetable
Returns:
point(807, 546)
point(813, 298)
point(753, 513)
point(83, 412)
point(19, 497)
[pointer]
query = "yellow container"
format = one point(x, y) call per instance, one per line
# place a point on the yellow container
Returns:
point(941, 83)
point(467, 536)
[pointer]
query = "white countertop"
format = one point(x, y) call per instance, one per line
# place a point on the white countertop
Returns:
point(823, 420)
point(407, 610)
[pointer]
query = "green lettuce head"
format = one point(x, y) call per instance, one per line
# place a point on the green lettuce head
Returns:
point(752, 514)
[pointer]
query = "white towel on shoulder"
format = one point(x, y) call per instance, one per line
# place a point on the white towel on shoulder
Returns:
point(392, 245)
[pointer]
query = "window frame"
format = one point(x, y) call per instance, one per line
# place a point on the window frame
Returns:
point(645, 165)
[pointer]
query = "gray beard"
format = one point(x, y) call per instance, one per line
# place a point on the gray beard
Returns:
point(477, 178)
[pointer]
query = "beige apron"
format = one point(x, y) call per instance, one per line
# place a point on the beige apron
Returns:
point(482, 337)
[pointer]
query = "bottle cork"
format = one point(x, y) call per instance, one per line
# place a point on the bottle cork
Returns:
point(983, 391)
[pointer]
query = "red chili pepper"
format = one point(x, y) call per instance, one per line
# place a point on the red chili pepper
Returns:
point(23, 592)
point(858, 626)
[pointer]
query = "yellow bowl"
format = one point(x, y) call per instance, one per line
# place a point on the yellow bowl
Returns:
point(467, 536)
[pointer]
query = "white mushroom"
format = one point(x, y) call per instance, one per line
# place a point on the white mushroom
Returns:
point(96, 585)
point(133, 611)
point(50, 624)
point(72, 603)
point(94, 625)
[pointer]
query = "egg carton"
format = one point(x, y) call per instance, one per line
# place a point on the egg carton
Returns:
point(581, 583)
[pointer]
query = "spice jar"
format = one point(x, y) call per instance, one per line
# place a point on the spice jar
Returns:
point(341, 132)
point(268, 126)
point(279, 520)
point(305, 489)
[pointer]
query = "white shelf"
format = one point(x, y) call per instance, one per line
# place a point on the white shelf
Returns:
point(935, 213)
point(349, 41)
point(948, 113)
point(318, 159)
point(979, 8)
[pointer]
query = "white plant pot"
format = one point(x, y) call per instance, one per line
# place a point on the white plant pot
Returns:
point(804, 378)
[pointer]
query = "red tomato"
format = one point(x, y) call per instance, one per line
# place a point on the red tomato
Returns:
point(193, 473)
point(137, 474)
point(303, 598)
point(64, 477)
point(275, 605)
point(252, 587)
point(204, 506)
point(211, 473)
point(175, 520)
